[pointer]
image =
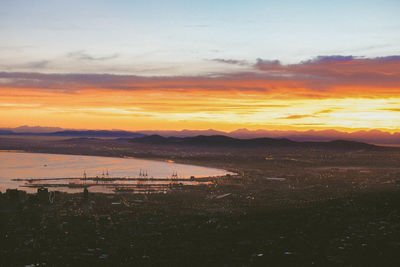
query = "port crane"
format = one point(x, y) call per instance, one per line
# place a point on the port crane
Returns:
point(143, 174)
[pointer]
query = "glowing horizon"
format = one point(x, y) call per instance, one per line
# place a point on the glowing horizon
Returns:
point(225, 65)
point(327, 92)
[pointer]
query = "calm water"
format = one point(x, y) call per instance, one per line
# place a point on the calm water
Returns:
point(37, 165)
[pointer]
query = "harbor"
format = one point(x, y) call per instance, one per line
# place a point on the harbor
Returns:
point(118, 184)
point(72, 173)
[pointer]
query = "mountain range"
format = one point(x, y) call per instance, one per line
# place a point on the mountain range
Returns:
point(370, 136)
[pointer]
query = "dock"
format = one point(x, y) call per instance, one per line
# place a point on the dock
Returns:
point(113, 179)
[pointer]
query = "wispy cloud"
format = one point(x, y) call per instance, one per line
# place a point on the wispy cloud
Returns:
point(83, 55)
point(325, 111)
point(231, 61)
point(391, 109)
point(37, 64)
point(295, 117)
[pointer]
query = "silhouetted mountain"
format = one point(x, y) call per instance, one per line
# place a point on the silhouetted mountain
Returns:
point(36, 129)
point(72, 133)
point(94, 133)
point(154, 139)
point(370, 136)
point(6, 132)
point(183, 133)
point(225, 141)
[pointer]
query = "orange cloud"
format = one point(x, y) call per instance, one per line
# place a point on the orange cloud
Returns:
point(320, 77)
point(294, 117)
point(336, 92)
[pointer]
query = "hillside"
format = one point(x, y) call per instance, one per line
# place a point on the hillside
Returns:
point(225, 141)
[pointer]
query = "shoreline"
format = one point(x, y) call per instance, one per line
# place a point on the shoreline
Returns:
point(156, 159)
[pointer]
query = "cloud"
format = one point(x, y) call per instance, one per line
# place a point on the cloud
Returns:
point(83, 55)
point(37, 64)
point(295, 117)
point(391, 109)
point(76, 82)
point(231, 61)
point(329, 59)
point(325, 72)
point(309, 124)
point(321, 77)
point(325, 111)
point(263, 64)
point(32, 65)
point(302, 116)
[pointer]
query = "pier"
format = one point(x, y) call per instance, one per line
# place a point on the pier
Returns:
point(101, 179)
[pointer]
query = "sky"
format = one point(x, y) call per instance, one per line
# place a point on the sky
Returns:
point(153, 64)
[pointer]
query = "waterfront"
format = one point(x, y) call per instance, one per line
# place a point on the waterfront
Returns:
point(19, 165)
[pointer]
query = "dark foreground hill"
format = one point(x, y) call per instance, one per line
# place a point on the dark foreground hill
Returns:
point(225, 141)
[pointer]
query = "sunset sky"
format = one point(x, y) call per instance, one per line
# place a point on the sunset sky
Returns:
point(174, 64)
